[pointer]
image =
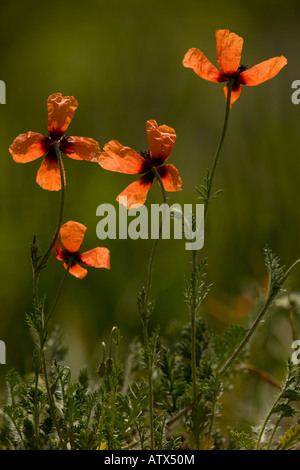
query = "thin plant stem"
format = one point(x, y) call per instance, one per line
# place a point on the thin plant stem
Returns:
point(246, 337)
point(155, 244)
point(61, 209)
point(145, 320)
point(193, 342)
point(50, 400)
point(37, 267)
point(61, 286)
point(193, 307)
point(150, 377)
point(274, 431)
point(43, 335)
point(219, 148)
point(261, 314)
point(266, 422)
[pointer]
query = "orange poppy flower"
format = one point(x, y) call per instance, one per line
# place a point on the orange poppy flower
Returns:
point(122, 159)
point(66, 249)
point(32, 145)
point(229, 50)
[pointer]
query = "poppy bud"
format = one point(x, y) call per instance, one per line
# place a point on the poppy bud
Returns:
point(102, 370)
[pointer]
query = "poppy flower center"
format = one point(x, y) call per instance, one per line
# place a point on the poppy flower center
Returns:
point(148, 164)
point(49, 148)
point(75, 256)
point(145, 155)
point(241, 68)
point(151, 162)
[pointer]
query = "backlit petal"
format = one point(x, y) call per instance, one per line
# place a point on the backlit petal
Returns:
point(196, 60)
point(121, 159)
point(71, 236)
point(76, 270)
point(235, 92)
point(57, 250)
point(170, 177)
point(136, 193)
point(48, 176)
point(161, 141)
point(98, 258)
point(61, 110)
point(80, 148)
point(28, 147)
point(263, 71)
point(229, 50)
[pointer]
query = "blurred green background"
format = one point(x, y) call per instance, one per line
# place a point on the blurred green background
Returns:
point(122, 61)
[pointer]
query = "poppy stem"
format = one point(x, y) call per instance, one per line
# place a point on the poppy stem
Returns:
point(219, 148)
point(158, 177)
point(61, 209)
point(245, 340)
point(61, 286)
point(193, 309)
point(148, 352)
point(153, 251)
point(50, 398)
point(39, 305)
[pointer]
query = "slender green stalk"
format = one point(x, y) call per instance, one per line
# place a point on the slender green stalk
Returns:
point(261, 314)
point(155, 244)
point(38, 304)
point(193, 342)
point(145, 320)
point(219, 148)
point(193, 308)
point(50, 399)
point(266, 422)
point(274, 431)
point(61, 209)
point(61, 286)
point(113, 383)
point(43, 335)
point(150, 385)
point(246, 337)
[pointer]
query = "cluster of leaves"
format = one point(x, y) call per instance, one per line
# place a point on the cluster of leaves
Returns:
point(110, 410)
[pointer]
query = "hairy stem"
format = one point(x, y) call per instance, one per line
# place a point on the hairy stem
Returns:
point(218, 151)
point(266, 422)
point(61, 286)
point(61, 209)
point(261, 314)
point(145, 320)
point(193, 309)
point(37, 303)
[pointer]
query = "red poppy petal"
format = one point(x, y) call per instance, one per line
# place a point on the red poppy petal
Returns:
point(196, 60)
point(28, 147)
point(71, 236)
point(161, 141)
point(58, 252)
point(48, 176)
point(235, 93)
point(121, 159)
point(80, 148)
point(229, 51)
point(76, 270)
point(136, 193)
point(98, 258)
point(170, 177)
point(61, 110)
point(263, 71)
